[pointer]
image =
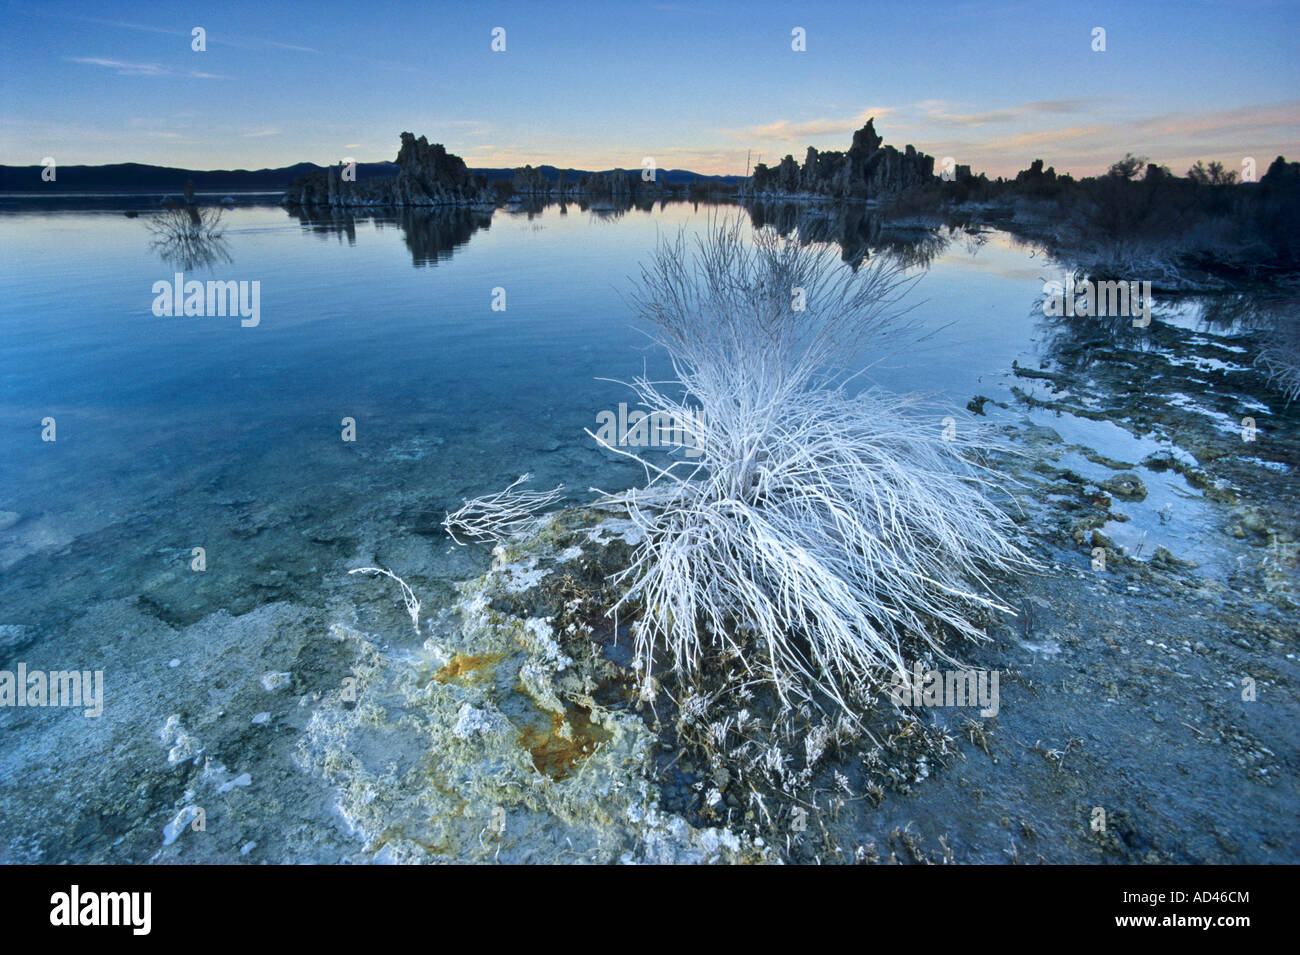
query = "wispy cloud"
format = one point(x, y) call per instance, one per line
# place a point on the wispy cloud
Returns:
point(124, 68)
point(219, 39)
point(1229, 123)
point(789, 131)
point(943, 113)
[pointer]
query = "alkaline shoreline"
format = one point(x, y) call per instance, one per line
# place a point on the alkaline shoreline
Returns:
point(524, 685)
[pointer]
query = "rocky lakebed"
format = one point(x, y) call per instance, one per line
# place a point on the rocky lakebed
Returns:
point(1148, 693)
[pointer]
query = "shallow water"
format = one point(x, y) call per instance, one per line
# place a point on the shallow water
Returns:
point(166, 425)
point(176, 433)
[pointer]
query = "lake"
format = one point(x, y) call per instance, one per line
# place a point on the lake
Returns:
point(460, 350)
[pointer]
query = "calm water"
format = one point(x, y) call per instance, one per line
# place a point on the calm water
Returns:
point(176, 433)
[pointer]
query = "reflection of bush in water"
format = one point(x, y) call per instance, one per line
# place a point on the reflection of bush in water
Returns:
point(1280, 360)
point(1277, 317)
point(188, 237)
point(1077, 342)
point(1267, 323)
point(1270, 321)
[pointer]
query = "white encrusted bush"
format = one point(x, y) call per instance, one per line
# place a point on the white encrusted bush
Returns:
point(496, 517)
point(816, 527)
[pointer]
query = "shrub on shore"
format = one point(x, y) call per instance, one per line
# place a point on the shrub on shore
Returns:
point(812, 529)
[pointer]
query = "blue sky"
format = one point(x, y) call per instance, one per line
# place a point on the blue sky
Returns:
point(596, 85)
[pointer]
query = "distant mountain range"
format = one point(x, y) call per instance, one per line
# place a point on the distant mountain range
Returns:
point(137, 178)
point(552, 174)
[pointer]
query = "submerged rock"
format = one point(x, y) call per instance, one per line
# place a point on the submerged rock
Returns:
point(1126, 485)
point(14, 637)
